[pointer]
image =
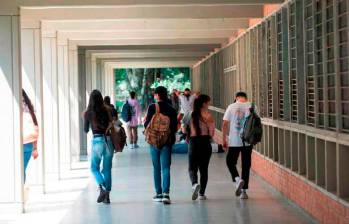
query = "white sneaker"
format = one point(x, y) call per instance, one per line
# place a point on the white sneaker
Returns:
point(243, 195)
point(239, 186)
point(132, 146)
point(196, 188)
point(202, 197)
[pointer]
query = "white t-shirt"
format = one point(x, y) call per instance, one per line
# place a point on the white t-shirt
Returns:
point(186, 104)
point(236, 114)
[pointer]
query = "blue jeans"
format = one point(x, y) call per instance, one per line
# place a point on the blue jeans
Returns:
point(27, 154)
point(102, 151)
point(161, 163)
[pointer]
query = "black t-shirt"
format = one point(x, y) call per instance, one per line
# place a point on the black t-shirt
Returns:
point(167, 110)
point(99, 124)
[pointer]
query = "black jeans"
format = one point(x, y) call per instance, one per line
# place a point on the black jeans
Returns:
point(200, 151)
point(232, 158)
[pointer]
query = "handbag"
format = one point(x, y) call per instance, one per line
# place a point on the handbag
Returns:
point(30, 130)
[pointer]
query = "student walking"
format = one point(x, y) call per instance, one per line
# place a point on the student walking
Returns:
point(161, 155)
point(133, 120)
point(113, 111)
point(233, 121)
point(30, 131)
point(200, 125)
point(98, 117)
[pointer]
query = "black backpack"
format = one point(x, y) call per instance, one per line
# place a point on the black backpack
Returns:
point(253, 131)
point(127, 112)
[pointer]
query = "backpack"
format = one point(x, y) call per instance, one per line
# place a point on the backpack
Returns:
point(127, 111)
point(157, 132)
point(120, 131)
point(117, 135)
point(252, 131)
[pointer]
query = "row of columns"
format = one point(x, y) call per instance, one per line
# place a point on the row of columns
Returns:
point(58, 78)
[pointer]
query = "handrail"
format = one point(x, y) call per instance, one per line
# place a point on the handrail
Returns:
point(219, 110)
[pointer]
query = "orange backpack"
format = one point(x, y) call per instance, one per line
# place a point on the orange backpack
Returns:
point(158, 130)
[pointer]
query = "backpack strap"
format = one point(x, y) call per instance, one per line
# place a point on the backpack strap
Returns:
point(157, 108)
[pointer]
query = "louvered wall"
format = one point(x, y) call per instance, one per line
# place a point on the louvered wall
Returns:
point(294, 66)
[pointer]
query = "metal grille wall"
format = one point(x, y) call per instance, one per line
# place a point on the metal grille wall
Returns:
point(294, 66)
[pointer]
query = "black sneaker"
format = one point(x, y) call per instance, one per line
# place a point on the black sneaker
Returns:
point(166, 199)
point(102, 194)
point(107, 198)
point(157, 198)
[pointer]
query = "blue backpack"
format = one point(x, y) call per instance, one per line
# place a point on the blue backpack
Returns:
point(127, 112)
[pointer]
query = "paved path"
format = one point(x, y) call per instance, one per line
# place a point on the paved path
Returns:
point(133, 190)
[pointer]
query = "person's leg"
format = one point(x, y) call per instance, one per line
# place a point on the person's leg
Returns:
point(232, 158)
point(27, 153)
point(155, 156)
point(165, 160)
point(193, 163)
point(96, 157)
point(129, 134)
point(246, 154)
point(203, 166)
point(107, 164)
point(135, 135)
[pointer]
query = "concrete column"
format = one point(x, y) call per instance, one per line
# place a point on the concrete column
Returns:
point(64, 106)
point(89, 88)
point(82, 99)
point(94, 74)
point(98, 75)
point(75, 116)
point(32, 84)
point(11, 159)
point(50, 105)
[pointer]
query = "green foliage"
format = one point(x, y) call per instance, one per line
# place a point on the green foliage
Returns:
point(171, 78)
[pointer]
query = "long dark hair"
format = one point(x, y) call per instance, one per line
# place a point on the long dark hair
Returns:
point(96, 105)
point(196, 114)
point(29, 104)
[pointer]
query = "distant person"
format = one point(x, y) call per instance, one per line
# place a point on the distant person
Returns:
point(186, 102)
point(175, 100)
point(201, 127)
point(98, 117)
point(233, 120)
point(133, 120)
point(161, 157)
point(114, 112)
point(30, 131)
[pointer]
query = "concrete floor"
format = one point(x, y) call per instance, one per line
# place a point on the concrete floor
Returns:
point(133, 190)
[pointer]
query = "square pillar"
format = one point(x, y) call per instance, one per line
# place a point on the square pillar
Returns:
point(11, 159)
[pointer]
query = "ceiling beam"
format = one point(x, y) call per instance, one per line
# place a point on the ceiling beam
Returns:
point(145, 24)
point(183, 47)
point(150, 54)
point(140, 2)
point(154, 64)
point(170, 41)
point(143, 12)
point(136, 34)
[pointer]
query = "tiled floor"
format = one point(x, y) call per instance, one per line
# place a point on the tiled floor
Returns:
point(133, 190)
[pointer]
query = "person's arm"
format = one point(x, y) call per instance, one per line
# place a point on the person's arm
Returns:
point(173, 126)
point(138, 112)
point(86, 123)
point(150, 114)
point(225, 128)
point(35, 153)
point(211, 125)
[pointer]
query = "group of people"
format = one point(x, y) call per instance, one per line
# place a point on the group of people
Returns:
point(196, 122)
point(189, 111)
